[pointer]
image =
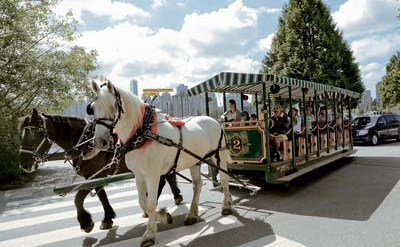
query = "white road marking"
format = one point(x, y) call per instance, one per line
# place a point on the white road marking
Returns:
point(68, 214)
point(17, 203)
point(272, 241)
point(64, 203)
point(74, 232)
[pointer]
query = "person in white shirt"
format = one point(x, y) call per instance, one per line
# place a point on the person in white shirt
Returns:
point(233, 114)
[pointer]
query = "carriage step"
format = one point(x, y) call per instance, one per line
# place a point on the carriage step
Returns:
point(316, 165)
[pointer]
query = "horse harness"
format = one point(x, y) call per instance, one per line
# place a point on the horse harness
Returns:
point(35, 152)
point(144, 133)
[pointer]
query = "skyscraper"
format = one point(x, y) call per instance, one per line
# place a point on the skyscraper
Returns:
point(379, 102)
point(133, 87)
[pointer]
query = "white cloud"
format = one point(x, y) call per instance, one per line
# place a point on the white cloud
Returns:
point(266, 43)
point(360, 17)
point(269, 10)
point(375, 46)
point(371, 74)
point(206, 44)
point(116, 10)
point(158, 3)
point(181, 4)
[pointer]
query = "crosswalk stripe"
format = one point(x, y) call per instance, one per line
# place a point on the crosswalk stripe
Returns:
point(73, 232)
point(272, 241)
point(17, 203)
point(67, 214)
point(63, 204)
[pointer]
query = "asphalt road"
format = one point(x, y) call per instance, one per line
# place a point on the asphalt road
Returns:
point(352, 202)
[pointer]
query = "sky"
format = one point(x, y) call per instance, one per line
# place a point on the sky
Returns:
point(163, 43)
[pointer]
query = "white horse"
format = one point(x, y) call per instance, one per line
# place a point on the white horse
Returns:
point(201, 135)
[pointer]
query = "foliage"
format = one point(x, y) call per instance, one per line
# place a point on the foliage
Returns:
point(308, 46)
point(38, 67)
point(390, 86)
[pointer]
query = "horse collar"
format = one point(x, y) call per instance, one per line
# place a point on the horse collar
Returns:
point(137, 137)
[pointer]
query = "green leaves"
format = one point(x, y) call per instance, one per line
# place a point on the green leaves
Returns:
point(390, 86)
point(38, 68)
point(308, 46)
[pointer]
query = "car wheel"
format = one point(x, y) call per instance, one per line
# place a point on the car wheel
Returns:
point(374, 140)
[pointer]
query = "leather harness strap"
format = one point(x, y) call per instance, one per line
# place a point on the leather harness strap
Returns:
point(177, 156)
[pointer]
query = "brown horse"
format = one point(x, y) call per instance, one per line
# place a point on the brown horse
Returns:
point(38, 131)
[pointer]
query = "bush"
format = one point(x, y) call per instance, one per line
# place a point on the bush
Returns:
point(9, 161)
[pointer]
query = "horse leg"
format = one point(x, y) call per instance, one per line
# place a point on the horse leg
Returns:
point(192, 216)
point(227, 204)
point(172, 181)
point(109, 213)
point(142, 194)
point(83, 216)
point(148, 238)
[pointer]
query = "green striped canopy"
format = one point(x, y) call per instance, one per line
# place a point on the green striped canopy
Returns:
point(230, 82)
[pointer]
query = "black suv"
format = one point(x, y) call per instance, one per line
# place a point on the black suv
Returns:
point(374, 128)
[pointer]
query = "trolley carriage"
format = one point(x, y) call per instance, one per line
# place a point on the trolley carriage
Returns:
point(249, 142)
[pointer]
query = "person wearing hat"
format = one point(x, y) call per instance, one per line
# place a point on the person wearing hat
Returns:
point(233, 114)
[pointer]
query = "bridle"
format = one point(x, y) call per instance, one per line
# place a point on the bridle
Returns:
point(35, 152)
point(102, 121)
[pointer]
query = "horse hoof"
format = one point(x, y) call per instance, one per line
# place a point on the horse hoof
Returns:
point(169, 219)
point(148, 242)
point(226, 211)
point(190, 221)
point(89, 228)
point(145, 215)
point(178, 200)
point(106, 225)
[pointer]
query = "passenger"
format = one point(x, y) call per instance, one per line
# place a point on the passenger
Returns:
point(297, 123)
point(233, 114)
point(244, 118)
point(280, 121)
point(254, 119)
point(322, 117)
point(309, 119)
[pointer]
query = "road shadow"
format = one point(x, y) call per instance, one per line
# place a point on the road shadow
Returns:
point(385, 143)
point(351, 188)
point(249, 229)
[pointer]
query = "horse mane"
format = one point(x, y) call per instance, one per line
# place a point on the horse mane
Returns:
point(131, 105)
point(65, 122)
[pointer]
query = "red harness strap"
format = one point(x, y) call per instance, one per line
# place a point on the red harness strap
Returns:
point(135, 129)
point(178, 122)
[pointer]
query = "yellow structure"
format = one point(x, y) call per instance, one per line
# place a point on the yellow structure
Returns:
point(155, 91)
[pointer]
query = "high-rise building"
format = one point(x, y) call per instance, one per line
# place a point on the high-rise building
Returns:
point(133, 87)
point(165, 103)
point(180, 103)
point(379, 102)
point(366, 101)
point(77, 109)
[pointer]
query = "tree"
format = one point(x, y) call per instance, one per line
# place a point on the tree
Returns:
point(38, 68)
point(308, 46)
point(390, 86)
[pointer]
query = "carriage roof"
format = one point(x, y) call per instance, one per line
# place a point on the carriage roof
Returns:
point(246, 83)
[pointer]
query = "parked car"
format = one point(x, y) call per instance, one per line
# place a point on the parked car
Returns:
point(375, 128)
